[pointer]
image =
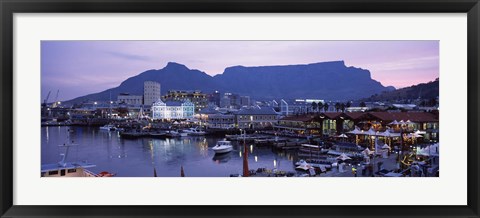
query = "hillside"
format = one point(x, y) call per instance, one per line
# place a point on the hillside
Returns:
point(424, 91)
point(326, 80)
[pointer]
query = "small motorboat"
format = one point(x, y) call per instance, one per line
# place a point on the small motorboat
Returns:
point(222, 147)
point(108, 127)
point(157, 134)
point(172, 134)
point(194, 132)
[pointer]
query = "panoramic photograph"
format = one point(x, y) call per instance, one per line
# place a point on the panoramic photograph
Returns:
point(240, 108)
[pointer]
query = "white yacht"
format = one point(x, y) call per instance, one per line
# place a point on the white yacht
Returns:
point(108, 127)
point(222, 147)
point(194, 131)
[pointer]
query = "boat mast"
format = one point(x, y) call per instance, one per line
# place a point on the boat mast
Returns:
point(64, 155)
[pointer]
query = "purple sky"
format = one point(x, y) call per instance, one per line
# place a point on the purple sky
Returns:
point(78, 68)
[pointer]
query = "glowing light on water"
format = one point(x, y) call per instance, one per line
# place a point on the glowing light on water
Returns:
point(274, 163)
point(256, 159)
point(46, 129)
point(251, 148)
point(240, 154)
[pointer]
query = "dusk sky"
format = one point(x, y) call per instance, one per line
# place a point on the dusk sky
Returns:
point(77, 68)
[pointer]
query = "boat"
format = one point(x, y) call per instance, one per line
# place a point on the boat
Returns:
point(172, 134)
point(312, 148)
point(132, 134)
point(157, 134)
point(194, 131)
point(67, 169)
point(222, 147)
point(108, 127)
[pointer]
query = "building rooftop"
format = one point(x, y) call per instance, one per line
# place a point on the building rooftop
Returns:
point(385, 116)
point(412, 116)
point(257, 111)
point(209, 110)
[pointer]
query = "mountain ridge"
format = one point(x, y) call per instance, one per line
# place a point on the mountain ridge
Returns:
point(426, 91)
point(331, 80)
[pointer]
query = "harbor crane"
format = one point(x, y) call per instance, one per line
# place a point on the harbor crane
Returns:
point(46, 99)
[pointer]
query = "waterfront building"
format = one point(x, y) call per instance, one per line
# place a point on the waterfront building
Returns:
point(405, 106)
point(424, 121)
point(151, 92)
point(221, 121)
point(356, 109)
point(203, 115)
point(128, 99)
point(173, 109)
point(335, 123)
point(298, 106)
point(256, 118)
point(303, 124)
point(199, 99)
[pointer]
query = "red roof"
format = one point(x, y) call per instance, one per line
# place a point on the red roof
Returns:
point(354, 115)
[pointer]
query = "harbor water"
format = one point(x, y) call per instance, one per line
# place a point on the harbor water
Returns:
point(139, 157)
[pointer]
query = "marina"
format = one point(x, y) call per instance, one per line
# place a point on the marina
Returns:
point(139, 156)
point(328, 118)
point(112, 151)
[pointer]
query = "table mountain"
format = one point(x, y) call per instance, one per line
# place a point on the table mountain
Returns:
point(326, 80)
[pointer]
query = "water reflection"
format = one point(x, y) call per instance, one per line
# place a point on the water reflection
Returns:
point(138, 157)
point(222, 158)
point(46, 133)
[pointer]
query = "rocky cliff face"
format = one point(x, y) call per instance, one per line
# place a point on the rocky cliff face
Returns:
point(326, 80)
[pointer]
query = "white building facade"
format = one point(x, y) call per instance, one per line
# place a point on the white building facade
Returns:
point(151, 92)
point(172, 110)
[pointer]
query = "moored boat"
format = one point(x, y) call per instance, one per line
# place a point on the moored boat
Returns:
point(108, 127)
point(194, 132)
point(222, 147)
point(132, 134)
point(67, 169)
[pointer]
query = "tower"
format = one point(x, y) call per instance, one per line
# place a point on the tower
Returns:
point(151, 92)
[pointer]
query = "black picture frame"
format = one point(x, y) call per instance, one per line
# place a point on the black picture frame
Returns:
point(9, 7)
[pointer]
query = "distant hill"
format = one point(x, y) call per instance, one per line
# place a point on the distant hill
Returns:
point(425, 91)
point(326, 80)
point(173, 76)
